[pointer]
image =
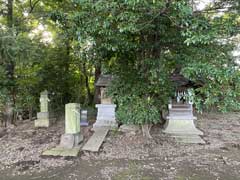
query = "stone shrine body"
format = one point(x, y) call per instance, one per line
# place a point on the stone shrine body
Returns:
point(180, 121)
point(106, 110)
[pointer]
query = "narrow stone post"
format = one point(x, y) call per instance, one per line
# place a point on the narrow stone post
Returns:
point(72, 136)
point(69, 144)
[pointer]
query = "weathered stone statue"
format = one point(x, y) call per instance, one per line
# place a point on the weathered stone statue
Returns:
point(43, 117)
point(44, 101)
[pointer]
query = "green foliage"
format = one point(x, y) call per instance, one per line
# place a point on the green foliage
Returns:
point(142, 42)
point(220, 86)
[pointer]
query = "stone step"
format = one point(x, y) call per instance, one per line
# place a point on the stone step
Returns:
point(96, 140)
point(193, 139)
point(180, 109)
point(180, 114)
point(183, 117)
point(181, 105)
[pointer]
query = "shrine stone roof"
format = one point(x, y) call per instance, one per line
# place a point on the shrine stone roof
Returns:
point(104, 80)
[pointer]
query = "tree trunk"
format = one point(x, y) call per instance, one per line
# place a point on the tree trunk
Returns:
point(97, 91)
point(10, 71)
point(67, 94)
point(146, 128)
point(30, 109)
point(89, 95)
point(10, 13)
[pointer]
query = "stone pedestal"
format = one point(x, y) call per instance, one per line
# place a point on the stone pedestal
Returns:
point(105, 116)
point(42, 119)
point(72, 136)
point(180, 124)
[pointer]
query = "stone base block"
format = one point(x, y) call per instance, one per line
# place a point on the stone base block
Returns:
point(106, 116)
point(83, 124)
point(60, 151)
point(105, 123)
point(43, 115)
point(193, 139)
point(185, 127)
point(69, 141)
point(42, 123)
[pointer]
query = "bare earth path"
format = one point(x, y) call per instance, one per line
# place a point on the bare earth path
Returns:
point(125, 156)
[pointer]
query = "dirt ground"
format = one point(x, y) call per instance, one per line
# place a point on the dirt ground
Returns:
point(125, 156)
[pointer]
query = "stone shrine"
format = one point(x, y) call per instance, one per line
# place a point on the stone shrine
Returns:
point(44, 117)
point(180, 121)
point(106, 110)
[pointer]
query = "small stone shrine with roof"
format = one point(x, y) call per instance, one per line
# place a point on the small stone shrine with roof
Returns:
point(180, 121)
point(106, 110)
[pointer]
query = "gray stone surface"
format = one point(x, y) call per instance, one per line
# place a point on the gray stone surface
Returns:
point(72, 118)
point(42, 123)
point(193, 139)
point(43, 117)
point(174, 126)
point(96, 140)
point(84, 118)
point(180, 124)
point(64, 152)
point(105, 116)
point(70, 140)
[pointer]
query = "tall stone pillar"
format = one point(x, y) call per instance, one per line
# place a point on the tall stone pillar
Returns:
point(72, 136)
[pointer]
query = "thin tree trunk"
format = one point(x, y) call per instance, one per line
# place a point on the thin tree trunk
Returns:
point(89, 95)
point(146, 128)
point(10, 13)
point(30, 109)
point(11, 70)
point(97, 91)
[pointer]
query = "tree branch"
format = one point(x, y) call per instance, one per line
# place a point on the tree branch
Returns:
point(32, 5)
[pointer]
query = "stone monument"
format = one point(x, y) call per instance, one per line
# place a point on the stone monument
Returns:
point(72, 136)
point(70, 141)
point(106, 110)
point(43, 117)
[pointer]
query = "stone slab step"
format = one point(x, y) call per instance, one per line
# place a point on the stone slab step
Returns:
point(60, 151)
point(96, 140)
point(181, 113)
point(180, 109)
point(183, 117)
point(193, 139)
point(181, 105)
